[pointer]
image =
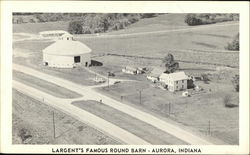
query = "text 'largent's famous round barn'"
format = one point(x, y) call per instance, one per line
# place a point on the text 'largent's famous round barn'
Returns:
point(66, 53)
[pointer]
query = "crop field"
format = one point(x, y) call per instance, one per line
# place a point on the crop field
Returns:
point(32, 120)
point(204, 107)
point(133, 125)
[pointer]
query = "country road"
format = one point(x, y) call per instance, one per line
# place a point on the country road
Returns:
point(187, 28)
point(90, 94)
point(65, 105)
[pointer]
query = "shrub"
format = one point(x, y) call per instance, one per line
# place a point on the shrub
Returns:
point(205, 78)
point(192, 19)
point(234, 45)
point(75, 27)
point(23, 134)
point(235, 82)
point(228, 102)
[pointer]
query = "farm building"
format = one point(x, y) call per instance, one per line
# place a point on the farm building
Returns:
point(155, 74)
point(52, 34)
point(174, 81)
point(66, 53)
point(133, 70)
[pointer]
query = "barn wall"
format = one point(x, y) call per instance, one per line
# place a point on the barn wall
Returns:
point(65, 61)
point(85, 58)
point(59, 61)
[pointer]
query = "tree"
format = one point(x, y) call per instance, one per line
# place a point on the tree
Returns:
point(234, 45)
point(170, 64)
point(192, 19)
point(75, 27)
point(235, 82)
point(205, 78)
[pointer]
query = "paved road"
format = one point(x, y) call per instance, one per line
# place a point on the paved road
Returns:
point(188, 28)
point(90, 94)
point(65, 105)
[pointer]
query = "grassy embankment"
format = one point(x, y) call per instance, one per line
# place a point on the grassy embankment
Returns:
point(34, 120)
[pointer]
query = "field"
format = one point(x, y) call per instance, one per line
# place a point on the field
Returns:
point(33, 120)
point(198, 50)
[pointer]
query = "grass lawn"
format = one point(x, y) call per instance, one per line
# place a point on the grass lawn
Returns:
point(35, 118)
point(131, 124)
point(193, 112)
point(45, 86)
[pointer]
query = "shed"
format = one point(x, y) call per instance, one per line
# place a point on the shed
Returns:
point(66, 53)
point(155, 74)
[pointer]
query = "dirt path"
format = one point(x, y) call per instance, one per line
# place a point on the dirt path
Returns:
point(90, 94)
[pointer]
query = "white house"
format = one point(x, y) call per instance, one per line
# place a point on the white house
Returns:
point(66, 53)
point(174, 81)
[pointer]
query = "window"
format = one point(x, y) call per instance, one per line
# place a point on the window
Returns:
point(77, 59)
point(182, 86)
point(176, 87)
point(182, 81)
point(176, 82)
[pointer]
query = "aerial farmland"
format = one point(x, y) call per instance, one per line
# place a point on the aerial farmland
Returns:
point(114, 88)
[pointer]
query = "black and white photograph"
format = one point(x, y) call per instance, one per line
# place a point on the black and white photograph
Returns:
point(126, 78)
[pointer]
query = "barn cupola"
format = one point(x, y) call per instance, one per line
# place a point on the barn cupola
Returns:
point(66, 37)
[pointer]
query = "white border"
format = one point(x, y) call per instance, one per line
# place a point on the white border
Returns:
point(7, 7)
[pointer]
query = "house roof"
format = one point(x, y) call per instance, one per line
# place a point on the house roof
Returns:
point(156, 72)
point(174, 76)
point(130, 68)
point(67, 47)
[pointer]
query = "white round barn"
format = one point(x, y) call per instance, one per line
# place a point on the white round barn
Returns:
point(66, 53)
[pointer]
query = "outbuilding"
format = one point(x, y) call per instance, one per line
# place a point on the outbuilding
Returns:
point(66, 53)
point(52, 34)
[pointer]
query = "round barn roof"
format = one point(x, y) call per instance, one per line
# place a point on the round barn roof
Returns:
point(67, 47)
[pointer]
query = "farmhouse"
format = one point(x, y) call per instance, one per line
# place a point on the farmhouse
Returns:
point(66, 53)
point(52, 34)
point(155, 74)
point(174, 81)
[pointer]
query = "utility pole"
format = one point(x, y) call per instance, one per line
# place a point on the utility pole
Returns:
point(169, 108)
point(108, 79)
point(54, 129)
point(209, 130)
point(140, 96)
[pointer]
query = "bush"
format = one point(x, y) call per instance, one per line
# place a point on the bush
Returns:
point(234, 45)
point(235, 82)
point(75, 27)
point(228, 102)
point(205, 78)
point(192, 19)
